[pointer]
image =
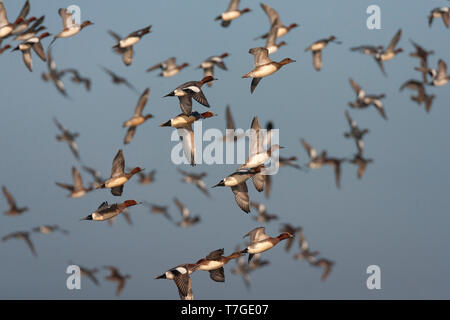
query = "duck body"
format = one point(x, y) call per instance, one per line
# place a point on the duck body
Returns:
point(106, 211)
point(262, 71)
point(184, 120)
point(260, 241)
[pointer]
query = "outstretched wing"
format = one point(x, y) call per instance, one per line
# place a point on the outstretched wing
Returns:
point(261, 56)
point(241, 196)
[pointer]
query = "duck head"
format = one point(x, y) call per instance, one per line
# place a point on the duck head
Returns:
point(207, 114)
point(285, 235)
point(129, 203)
point(85, 24)
point(282, 43)
point(292, 25)
point(207, 79)
point(184, 65)
point(286, 61)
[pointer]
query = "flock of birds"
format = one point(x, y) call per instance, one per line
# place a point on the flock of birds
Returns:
point(29, 32)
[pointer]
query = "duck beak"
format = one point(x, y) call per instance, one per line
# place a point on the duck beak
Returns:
point(89, 217)
point(163, 276)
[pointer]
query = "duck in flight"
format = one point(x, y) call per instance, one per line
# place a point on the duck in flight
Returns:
point(364, 100)
point(260, 241)
point(209, 64)
point(237, 182)
point(169, 67)
point(13, 209)
point(137, 118)
point(274, 17)
point(214, 262)
point(70, 27)
point(118, 175)
point(106, 211)
point(379, 53)
point(181, 275)
point(231, 13)
point(116, 276)
point(77, 190)
point(69, 137)
point(263, 66)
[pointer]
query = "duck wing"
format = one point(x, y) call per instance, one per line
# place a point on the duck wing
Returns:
point(261, 56)
point(142, 102)
point(217, 275)
point(241, 196)
point(257, 234)
point(118, 165)
point(394, 41)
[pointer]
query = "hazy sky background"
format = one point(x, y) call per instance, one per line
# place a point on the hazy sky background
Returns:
point(396, 217)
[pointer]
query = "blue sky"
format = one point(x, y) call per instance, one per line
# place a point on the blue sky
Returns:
point(395, 217)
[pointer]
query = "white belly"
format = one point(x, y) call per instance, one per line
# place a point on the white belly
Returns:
point(128, 42)
point(181, 122)
point(115, 182)
point(235, 180)
point(228, 16)
point(102, 217)
point(281, 32)
point(212, 265)
point(206, 64)
point(264, 71)
point(179, 93)
point(170, 73)
point(440, 82)
point(257, 160)
point(78, 194)
point(317, 46)
point(259, 247)
point(69, 32)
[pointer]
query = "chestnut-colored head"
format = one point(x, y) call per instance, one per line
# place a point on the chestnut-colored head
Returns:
point(31, 19)
point(285, 235)
point(44, 35)
point(136, 170)
point(207, 79)
point(144, 32)
point(129, 203)
point(282, 43)
point(332, 38)
point(398, 50)
point(148, 116)
point(292, 25)
point(286, 61)
point(224, 55)
point(86, 23)
point(245, 10)
point(18, 21)
point(207, 114)
point(184, 65)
